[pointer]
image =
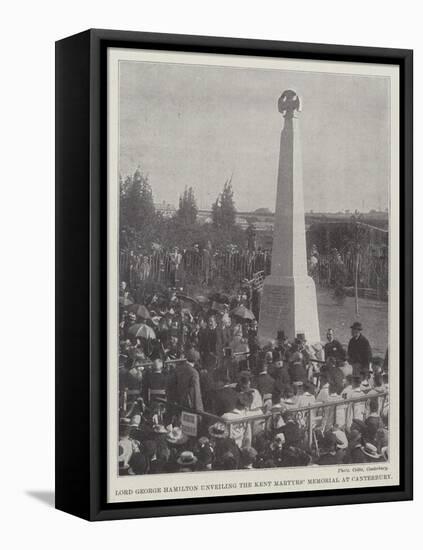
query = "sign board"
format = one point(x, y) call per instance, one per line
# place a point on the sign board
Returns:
point(189, 423)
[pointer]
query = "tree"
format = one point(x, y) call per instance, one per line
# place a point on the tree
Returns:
point(124, 186)
point(139, 208)
point(187, 212)
point(223, 209)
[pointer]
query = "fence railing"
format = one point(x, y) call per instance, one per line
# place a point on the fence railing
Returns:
point(200, 267)
point(325, 415)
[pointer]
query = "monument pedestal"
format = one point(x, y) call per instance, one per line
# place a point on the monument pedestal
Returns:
point(288, 303)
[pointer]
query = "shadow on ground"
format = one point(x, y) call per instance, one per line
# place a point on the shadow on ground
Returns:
point(46, 497)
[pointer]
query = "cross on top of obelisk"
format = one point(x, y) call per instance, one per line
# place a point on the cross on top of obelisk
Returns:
point(288, 103)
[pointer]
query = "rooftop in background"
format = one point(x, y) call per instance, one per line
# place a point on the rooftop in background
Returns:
point(263, 218)
point(167, 209)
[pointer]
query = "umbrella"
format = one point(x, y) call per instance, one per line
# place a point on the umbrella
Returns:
point(185, 298)
point(123, 302)
point(140, 330)
point(140, 310)
point(243, 313)
point(220, 298)
point(218, 307)
point(202, 299)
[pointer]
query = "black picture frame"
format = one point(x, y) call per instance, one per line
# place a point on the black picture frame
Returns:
point(81, 260)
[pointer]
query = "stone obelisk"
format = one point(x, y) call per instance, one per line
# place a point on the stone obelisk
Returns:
point(289, 294)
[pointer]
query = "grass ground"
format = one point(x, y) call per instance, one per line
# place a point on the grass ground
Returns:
point(373, 315)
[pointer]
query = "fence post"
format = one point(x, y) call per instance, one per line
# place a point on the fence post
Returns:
point(310, 431)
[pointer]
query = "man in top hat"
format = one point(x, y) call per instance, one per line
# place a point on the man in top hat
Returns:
point(359, 350)
point(282, 345)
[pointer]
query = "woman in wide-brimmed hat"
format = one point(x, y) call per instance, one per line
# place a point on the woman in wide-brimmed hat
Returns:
point(218, 430)
point(187, 461)
point(176, 437)
point(370, 453)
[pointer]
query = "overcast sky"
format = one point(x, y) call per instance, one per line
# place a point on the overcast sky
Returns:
point(196, 125)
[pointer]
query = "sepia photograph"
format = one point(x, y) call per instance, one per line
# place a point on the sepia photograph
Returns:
point(253, 289)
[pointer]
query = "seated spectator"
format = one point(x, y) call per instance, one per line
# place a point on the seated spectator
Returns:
point(187, 461)
point(291, 430)
point(330, 453)
point(244, 386)
point(127, 447)
point(205, 454)
point(241, 431)
point(224, 397)
point(248, 458)
point(305, 394)
point(373, 420)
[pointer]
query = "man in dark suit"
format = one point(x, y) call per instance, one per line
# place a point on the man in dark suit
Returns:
point(359, 351)
point(207, 338)
point(224, 396)
point(333, 348)
point(265, 383)
point(184, 383)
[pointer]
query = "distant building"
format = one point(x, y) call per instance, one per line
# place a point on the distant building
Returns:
point(323, 228)
point(165, 208)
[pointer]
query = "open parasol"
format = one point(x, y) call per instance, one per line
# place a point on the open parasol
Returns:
point(125, 302)
point(139, 310)
point(140, 330)
point(220, 298)
point(243, 313)
point(202, 299)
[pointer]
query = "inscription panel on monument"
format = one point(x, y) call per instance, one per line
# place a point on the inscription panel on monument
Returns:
point(277, 309)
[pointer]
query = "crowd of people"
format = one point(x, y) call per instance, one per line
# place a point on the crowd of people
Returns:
point(251, 404)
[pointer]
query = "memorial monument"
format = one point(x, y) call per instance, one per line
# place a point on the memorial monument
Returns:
point(289, 294)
